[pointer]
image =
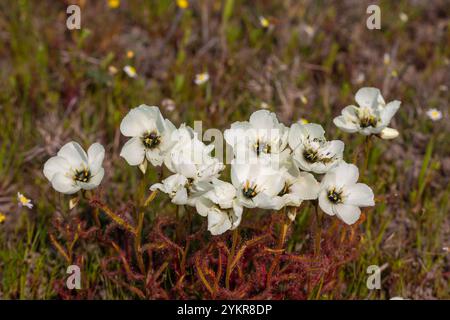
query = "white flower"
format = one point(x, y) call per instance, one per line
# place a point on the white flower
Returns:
point(24, 201)
point(182, 190)
point(434, 114)
point(257, 184)
point(372, 115)
point(221, 207)
point(298, 186)
point(201, 78)
point(130, 71)
point(193, 166)
point(311, 151)
point(341, 195)
point(151, 136)
point(72, 169)
point(262, 137)
point(192, 158)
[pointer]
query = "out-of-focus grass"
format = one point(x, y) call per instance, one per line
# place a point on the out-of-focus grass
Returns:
point(56, 85)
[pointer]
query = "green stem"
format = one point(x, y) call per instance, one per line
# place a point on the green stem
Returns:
point(368, 147)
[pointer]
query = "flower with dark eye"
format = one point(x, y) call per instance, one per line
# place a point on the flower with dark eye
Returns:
point(150, 136)
point(341, 195)
point(72, 169)
point(371, 117)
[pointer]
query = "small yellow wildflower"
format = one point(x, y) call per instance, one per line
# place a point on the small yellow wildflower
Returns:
point(24, 201)
point(264, 22)
point(183, 4)
point(2, 218)
point(130, 54)
point(394, 73)
point(130, 71)
point(113, 4)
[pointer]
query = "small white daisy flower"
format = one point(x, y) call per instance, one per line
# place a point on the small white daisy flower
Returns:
point(130, 71)
point(434, 114)
point(201, 78)
point(264, 22)
point(24, 201)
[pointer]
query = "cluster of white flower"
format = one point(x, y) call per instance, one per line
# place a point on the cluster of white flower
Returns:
point(273, 166)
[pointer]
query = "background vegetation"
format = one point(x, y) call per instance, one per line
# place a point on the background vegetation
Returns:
point(58, 85)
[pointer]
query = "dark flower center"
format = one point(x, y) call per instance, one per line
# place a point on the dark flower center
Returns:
point(249, 191)
point(368, 121)
point(261, 147)
point(285, 190)
point(151, 139)
point(82, 175)
point(334, 196)
point(311, 155)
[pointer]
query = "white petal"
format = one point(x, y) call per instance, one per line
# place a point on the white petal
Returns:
point(367, 97)
point(157, 186)
point(96, 154)
point(335, 148)
point(63, 184)
point(74, 154)
point(263, 119)
point(346, 174)
point(347, 213)
point(222, 194)
point(295, 136)
point(235, 133)
point(95, 181)
point(314, 130)
point(306, 186)
point(239, 173)
point(263, 201)
point(344, 125)
point(350, 112)
point(325, 204)
point(138, 121)
point(154, 156)
point(55, 165)
point(203, 206)
point(237, 212)
point(133, 151)
point(218, 222)
point(360, 195)
point(389, 111)
point(181, 197)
